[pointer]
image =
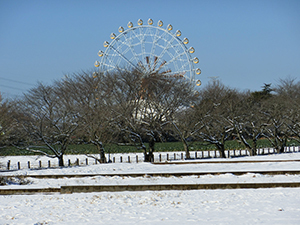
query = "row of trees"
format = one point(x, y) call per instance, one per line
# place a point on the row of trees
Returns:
point(131, 107)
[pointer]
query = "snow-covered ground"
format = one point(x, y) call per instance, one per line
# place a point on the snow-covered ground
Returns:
point(237, 206)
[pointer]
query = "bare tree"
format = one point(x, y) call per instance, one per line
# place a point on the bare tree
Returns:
point(7, 124)
point(275, 131)
point(92, 104)
point(274, 108)
point(186, 125)
point(50, 118)
point(213, 111)
point(288, 92)
point(248, 122)
point(129, 109)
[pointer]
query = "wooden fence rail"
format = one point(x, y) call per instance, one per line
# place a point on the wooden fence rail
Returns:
point(158, 157)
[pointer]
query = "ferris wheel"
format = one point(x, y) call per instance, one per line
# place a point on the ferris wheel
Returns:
point(149, 49)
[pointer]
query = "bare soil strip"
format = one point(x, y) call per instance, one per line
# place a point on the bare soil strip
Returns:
point(167, 174)
point(28, 191)
point(165, 187)
point(242, 161)
point(144, 187)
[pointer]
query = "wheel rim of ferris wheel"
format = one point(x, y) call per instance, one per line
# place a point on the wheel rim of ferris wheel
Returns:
point(153, 47)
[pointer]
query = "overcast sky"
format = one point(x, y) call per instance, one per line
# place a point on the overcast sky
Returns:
point(243, 43)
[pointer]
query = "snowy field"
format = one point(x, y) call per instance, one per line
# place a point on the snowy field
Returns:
point(231, 206)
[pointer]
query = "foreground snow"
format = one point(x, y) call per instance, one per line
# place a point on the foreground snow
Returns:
point(239, 206)
point(261, 206)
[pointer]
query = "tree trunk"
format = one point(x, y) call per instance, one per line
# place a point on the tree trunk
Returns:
point(250, 150)
point(221, 149)
point(281, 150)
point(186, 149)
point(280, 147)
point(253, 151)
point(61, 160)
point(254, 147)
point(149, 157)
point(101, 153)
point(283, 144)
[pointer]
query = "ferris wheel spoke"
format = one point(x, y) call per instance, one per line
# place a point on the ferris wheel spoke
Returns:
point(109, 65)
point(155, 40)
point(183, 71)
point(139, 36)
point(105, 65)
point(185, 65)
point(181, 51)
point(167, 47)
point(127, 42)
point(177, 57)
point(144, 32)
point(142, 41)
point(124, 51)
point(160, 37)
point(121, 55)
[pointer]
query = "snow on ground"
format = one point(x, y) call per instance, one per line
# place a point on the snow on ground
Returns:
point(260, 206)
point(238, 206)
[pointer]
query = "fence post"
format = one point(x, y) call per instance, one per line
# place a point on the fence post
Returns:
point(174, 156)
point(8, 164)
point(114, 159)
point(228, 153)
point(77, 162)
point(137, 158)
point(208, 153)
point(196, 155)
point(202, 154)
point(69, 162)
point(121, 159)
point(40, 164)
point(86, 161)
point(181, 156)
point(159, 157)
point(19, 166)
point(129, 159)
point(167, 156)
point(49, 164)
point(28, 164)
